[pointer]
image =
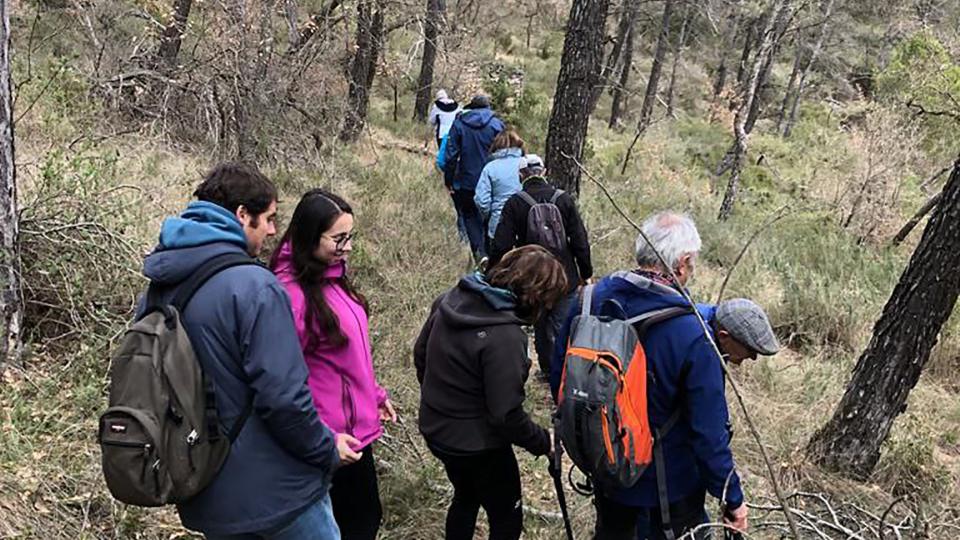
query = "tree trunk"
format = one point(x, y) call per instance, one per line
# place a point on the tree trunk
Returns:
point(172, 35)
point(728, 42)
point(363, 67)
point(619, 94)
point(748, 41)
point(628, 17)
point(814, 54)
point(782, 19)
point(788, 94)
point(11, 298)
point(903, 337)
point(293, 30)
point(579, 73)
point(653, 83)
point(677, 56)
point(431, 32)
point(738, 151)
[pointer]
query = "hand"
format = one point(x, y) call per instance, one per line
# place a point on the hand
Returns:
point(345, 442)
point(387, 412)
point(737, 518)
point(449, 189)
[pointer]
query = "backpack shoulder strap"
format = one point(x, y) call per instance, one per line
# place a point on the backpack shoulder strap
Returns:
point(526, 197)
point(587, 300)
point(556, 195)
point(206, 271)
point(643, 322)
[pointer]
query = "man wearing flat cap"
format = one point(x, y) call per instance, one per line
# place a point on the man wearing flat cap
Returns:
point(686, 399)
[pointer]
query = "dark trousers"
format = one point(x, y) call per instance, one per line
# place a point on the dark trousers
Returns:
point(472, 222)
point(491, 480)
point(356, 499)
point(619, 522)
point(545, 331)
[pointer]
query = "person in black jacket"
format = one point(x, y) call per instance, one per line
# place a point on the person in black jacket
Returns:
point(471, 360)
point(512, 232)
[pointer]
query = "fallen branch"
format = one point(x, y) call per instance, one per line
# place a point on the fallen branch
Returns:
point(733, 384)
point(886, 513)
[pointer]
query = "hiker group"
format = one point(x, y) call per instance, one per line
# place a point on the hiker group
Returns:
point(246, 393)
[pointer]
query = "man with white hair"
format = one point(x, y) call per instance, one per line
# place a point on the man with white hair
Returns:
point(685, 388)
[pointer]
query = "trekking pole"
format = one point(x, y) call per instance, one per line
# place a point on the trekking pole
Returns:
point(555, 467)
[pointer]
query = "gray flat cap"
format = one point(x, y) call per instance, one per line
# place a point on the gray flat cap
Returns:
point(748, 324)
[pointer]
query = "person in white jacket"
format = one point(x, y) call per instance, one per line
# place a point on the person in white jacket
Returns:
point(442, 114)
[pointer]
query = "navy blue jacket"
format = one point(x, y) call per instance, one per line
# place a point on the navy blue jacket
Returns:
point(468, 146)
point(241, 327)
point(685, 375)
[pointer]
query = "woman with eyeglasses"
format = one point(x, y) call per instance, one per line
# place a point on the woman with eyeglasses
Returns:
point(331, 320)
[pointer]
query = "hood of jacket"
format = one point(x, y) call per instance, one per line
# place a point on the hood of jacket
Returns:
point(476, 118)
point(504, 153)
point(203, 231)
point(446, 105)
point(474, 303)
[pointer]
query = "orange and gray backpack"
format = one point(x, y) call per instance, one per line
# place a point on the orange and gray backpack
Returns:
point(601, 414)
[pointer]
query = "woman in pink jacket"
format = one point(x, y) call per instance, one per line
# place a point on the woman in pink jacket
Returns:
point(331, 320)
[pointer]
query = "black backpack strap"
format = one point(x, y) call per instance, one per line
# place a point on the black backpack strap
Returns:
point(206, 271)
point(527, 197)
point(556, 195)
point(643, 322)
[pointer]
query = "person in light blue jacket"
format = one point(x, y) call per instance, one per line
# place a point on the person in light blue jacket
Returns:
point(499, 179)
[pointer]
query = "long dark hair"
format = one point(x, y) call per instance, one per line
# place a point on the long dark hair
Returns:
point(316, 212)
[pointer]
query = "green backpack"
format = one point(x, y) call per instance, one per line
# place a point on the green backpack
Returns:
point(160, 438)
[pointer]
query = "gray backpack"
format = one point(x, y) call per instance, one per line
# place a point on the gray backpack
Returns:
point(160, 438)
point(545, 223)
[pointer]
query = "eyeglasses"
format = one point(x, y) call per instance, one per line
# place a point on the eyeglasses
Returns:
point(341, 240)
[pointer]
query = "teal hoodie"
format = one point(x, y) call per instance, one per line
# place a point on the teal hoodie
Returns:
point(200, 224)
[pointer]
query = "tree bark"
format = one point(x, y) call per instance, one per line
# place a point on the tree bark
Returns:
point(814, 54)
point(653, 83)
point(619, 94)
point(11, 298)
point(903, 337)
point(738, 150)
point(677, 56)
point(363, 67)
point(579, 74)
point(431, 32)
point(172, 35)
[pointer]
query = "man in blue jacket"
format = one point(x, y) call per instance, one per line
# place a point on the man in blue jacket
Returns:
point(685, 375)
point(467, 146)
point(277, 475)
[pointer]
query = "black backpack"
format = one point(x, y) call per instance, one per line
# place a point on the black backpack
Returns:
point(160, 438)
point(545, 223)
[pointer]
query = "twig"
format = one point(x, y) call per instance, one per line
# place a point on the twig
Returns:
point(778, 215)
point(733, 384)
point(883, 518)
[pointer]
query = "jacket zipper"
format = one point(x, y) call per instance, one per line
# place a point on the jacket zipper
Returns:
point(349, 408)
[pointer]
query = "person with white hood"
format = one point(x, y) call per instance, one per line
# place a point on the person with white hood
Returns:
point(442, 114)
